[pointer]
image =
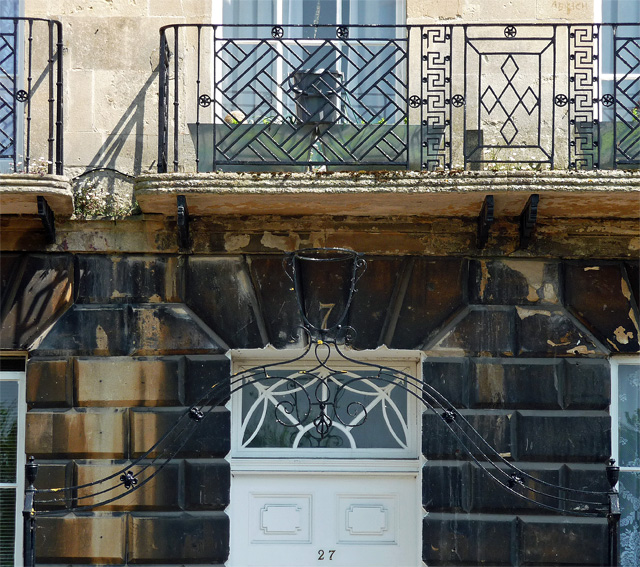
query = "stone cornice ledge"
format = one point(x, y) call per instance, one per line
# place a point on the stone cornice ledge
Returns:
point(19, 192)
point(563, 193)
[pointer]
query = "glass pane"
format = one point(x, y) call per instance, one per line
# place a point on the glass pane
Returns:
point(629, 415)
point(630, 518)
point(620, 11)
point(7, 526)
point(351, 410)
point(8, 430)
point(246, 14)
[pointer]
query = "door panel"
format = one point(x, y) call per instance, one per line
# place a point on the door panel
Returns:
point(302, 519)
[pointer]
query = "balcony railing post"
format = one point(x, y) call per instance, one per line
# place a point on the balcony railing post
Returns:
point(29, 515)
point(59, 103)
point(163, 104)
point(613, 516)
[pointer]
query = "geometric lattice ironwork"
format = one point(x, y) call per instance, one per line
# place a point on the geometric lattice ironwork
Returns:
point(441, 96)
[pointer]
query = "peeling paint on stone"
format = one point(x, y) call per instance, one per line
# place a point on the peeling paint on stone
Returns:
point(485, 278)
point(102, 340)
point(622, 335)
point(523, 313)
point(581, 349)
point(560, 344)
point(634, 244)
point(589, 268)
point(533, 273)
point(235, 242)
point(625, 288)
point(613, 345)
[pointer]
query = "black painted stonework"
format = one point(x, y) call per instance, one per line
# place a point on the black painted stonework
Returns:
point(600, 295)
point(519, 346)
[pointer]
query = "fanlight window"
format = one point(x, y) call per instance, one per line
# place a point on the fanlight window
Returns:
point(348, 412)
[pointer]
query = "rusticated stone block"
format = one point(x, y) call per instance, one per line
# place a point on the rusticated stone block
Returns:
point(38, 293)
point(202, 373)
point(54, 475)
point(551, 332)
point(89, 330)
point(182, 539)
point(157, 489)
point(490, 497)
point(48, 383)
point(434, 293)
point(450, 378)
point(450, 539)
point(562, 436)
point(277, 299)
point(587, 384)
point(516, 384)
point(208, 438)
point(514, 282)
point(600, 295)
point(98, 434)
point(207, 485)
point(124, 381)
point(171, 329)
point(81, 539)
point(587, 477)
point(564, 541)
point(496, 338)
point(126, 279)
point(9, 266)
point(445, 486)
point(438, 441)
point(220, 292)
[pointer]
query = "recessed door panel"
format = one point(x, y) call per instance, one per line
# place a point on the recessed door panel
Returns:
point(334, 519)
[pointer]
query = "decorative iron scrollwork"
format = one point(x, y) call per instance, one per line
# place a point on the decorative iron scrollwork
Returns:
point(204, 100)
point(457, 100)
point(342, 32)
point(510, 32)
point(608, 100)
point(196, 414)
point(22, 95)
point(128, 480)
point(415, 101)
point(277, 32)
point(561, 100)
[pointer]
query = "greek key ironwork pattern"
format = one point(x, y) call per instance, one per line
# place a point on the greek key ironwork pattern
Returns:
point(583, 124)
point(436, 92)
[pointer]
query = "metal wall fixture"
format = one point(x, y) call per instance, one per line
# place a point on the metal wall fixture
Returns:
point(402, 97)
point(324, 280)
point(31, 89)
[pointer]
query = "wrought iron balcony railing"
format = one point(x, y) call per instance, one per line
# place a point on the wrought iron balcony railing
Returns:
point(407, 97)
point(31, 94)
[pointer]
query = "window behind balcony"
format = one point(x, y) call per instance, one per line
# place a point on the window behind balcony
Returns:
point(10, 83)
point(12, 409)
point(625, 414)
point(620, 79)
point(260, 72)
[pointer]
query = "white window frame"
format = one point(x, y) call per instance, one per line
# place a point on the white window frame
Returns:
point(377, 459)
point(615, 363)
point(20, 378)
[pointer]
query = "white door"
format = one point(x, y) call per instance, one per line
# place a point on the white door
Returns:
point(298, 519)
point(351, 496)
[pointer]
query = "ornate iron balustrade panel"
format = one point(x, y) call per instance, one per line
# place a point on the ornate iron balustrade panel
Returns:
point(538, 96)
point(31, 86)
